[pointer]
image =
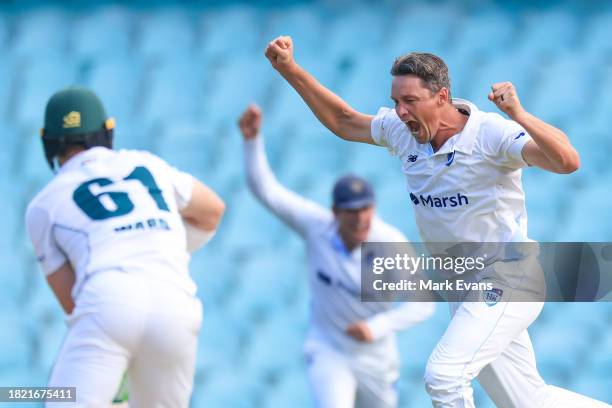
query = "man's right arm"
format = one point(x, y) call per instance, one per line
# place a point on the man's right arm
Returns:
point(333, 112)
point(294, 210)
point(204, 209)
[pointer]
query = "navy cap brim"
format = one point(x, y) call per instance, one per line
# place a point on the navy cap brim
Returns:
point(355, 204)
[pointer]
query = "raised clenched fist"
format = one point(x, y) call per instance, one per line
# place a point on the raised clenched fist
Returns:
point(250, 122)
point(503, 94)
point(280, 52)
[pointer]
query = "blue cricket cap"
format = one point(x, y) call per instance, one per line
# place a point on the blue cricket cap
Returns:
point(352, 192)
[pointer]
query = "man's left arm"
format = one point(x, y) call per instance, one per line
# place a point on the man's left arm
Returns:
point(401, 317)
point(61, 282)
point(549, 149)
point(53, 261)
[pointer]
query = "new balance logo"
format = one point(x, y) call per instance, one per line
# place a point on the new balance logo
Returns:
point(457, 200)
point(413, 157)
point(449, 158)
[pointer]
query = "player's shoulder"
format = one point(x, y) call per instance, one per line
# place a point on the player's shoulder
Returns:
point(40, 206)
point(388, 120)
point(321, 223)
point(493, 122)
point(50, 194)
point(143, 158)
point(137, 155)
point(495, 129)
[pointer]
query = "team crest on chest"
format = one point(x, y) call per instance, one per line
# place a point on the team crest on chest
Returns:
point(493, 296)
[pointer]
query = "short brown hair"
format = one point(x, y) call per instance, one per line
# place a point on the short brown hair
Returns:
point(431, 69)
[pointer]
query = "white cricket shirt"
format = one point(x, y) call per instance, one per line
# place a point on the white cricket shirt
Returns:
point(470, 190)
point(334, 273)
point(113, 210)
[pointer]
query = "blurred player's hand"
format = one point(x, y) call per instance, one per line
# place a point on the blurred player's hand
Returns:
point(503, 95)
point(280, 53)
point(360, 332)
point(250, 122)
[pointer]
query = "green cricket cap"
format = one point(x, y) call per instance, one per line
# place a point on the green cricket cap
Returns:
point(74, 111)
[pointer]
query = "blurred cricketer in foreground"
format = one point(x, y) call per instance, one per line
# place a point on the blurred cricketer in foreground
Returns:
point(463, 172)
point(110, 234)
point(350, 348)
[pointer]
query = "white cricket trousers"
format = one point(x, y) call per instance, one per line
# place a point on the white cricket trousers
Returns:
point(338, 381)
point(492, 344)
point(128, 322)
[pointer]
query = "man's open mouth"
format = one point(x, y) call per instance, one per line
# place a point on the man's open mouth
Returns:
point(414, 126)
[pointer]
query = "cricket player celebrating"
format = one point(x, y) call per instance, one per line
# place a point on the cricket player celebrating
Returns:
point(350, 348)
point(463, 172)
point(109, 233)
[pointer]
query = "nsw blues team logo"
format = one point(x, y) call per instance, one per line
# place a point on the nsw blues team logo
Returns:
point(493, 296)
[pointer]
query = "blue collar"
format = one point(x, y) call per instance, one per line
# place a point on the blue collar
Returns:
point(338, 245)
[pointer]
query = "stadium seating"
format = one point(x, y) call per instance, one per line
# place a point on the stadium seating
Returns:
point(177, 74)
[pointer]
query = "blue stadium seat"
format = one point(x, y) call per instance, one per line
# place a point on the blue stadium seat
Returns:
point(214, 275)
point(244, 211)
point(265, 285)
point(220, 343)
point(220, 390)
point(500, 69)
point(321, 150)
point(166, 32)
point(119, 84)
point(174, 92)
point(544, 33)
point(594, 386)
point(597, 33)
point(4, 29)
point(104, 34)
point(292, 390)
point(276, 346)
point(368, 85)
point(34, 166)
point(221, 39)
point(38, 82)
point(595, 122)
point(231, 85)
point(559, 339)
point(41, 32)
point(15, 275)
point(304, 24)
point(343, 40)
point(562, 77)
point(16, 349)
point(485, 33)
point(186, 145)
point(414, 19)
point(543, 213)
point(591, 203)
point(7, 79)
